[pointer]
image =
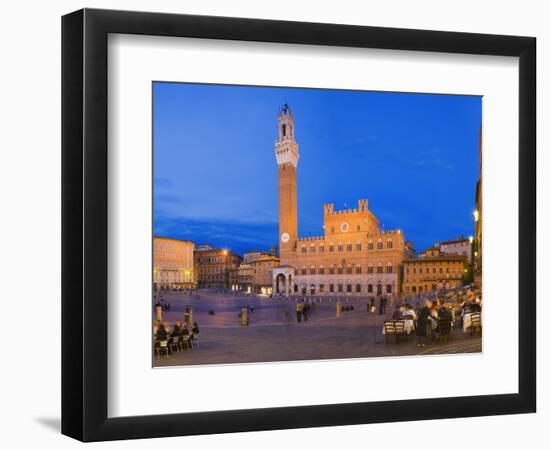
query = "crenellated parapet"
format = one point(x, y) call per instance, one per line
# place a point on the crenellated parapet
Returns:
point(362, 207)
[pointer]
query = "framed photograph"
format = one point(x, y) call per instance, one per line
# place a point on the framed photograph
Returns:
point(273, 225)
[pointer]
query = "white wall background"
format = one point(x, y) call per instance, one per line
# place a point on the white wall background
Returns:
point(30, 222)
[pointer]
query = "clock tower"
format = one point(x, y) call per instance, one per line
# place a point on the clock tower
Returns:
point(286, 153)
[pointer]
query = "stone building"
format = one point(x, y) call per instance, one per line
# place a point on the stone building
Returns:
point(263, 274)
point(353, 257)
point(434, 272)
point(255, 276)
point(172, 264)
point(254, 255)
point(245, 274)
point(217, 269)
point(460, 246)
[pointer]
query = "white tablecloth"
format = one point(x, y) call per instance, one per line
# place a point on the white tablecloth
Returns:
point(467, 321)
point(408, 325)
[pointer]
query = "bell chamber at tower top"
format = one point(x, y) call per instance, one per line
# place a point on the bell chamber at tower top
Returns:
point(286, 147)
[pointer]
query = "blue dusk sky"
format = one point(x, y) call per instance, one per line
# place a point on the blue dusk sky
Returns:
point(415, 157)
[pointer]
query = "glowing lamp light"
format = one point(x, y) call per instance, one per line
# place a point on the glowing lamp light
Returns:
point(471, 239)
point(476, 215)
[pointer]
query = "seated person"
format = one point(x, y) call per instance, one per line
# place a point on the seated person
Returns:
point(184, 331)
point(475, 307)
point(195, 330)
point(445, 313)
point(409, 312)
point(161, 333)
point(176, 331)
point(397, 314)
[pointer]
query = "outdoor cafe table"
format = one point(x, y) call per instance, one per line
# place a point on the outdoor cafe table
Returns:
point(467, 321)
point(409, 326)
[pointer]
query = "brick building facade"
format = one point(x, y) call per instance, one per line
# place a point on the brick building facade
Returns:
point(354, 257)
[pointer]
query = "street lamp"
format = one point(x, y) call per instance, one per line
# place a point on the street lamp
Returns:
point(476, 215)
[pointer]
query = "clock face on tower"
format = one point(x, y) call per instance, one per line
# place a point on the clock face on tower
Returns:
point(285, 238)
point(344, 227)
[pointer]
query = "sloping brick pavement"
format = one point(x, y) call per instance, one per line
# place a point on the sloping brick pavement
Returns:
point(356, 334)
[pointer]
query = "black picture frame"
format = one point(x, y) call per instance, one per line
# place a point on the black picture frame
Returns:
point(84, 224)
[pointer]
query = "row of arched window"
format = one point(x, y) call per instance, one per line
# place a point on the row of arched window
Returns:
point(342, 288)
point(340, 269)
point(348, 247)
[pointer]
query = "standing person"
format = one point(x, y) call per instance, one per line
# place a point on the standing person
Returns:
point(422, 323)
point(299, 309)
point(380, 306)
point(370, 307)
point(305, 311)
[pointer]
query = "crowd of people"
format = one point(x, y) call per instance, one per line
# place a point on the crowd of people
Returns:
point(163, 331)
point(435, 317)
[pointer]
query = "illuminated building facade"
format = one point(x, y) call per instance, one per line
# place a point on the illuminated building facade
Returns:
point(461, 246)
point(433, 272)
point(217, 268)
point(353, 257)
point(172, 264)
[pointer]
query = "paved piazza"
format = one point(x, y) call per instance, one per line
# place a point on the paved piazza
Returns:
point(275, 335)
